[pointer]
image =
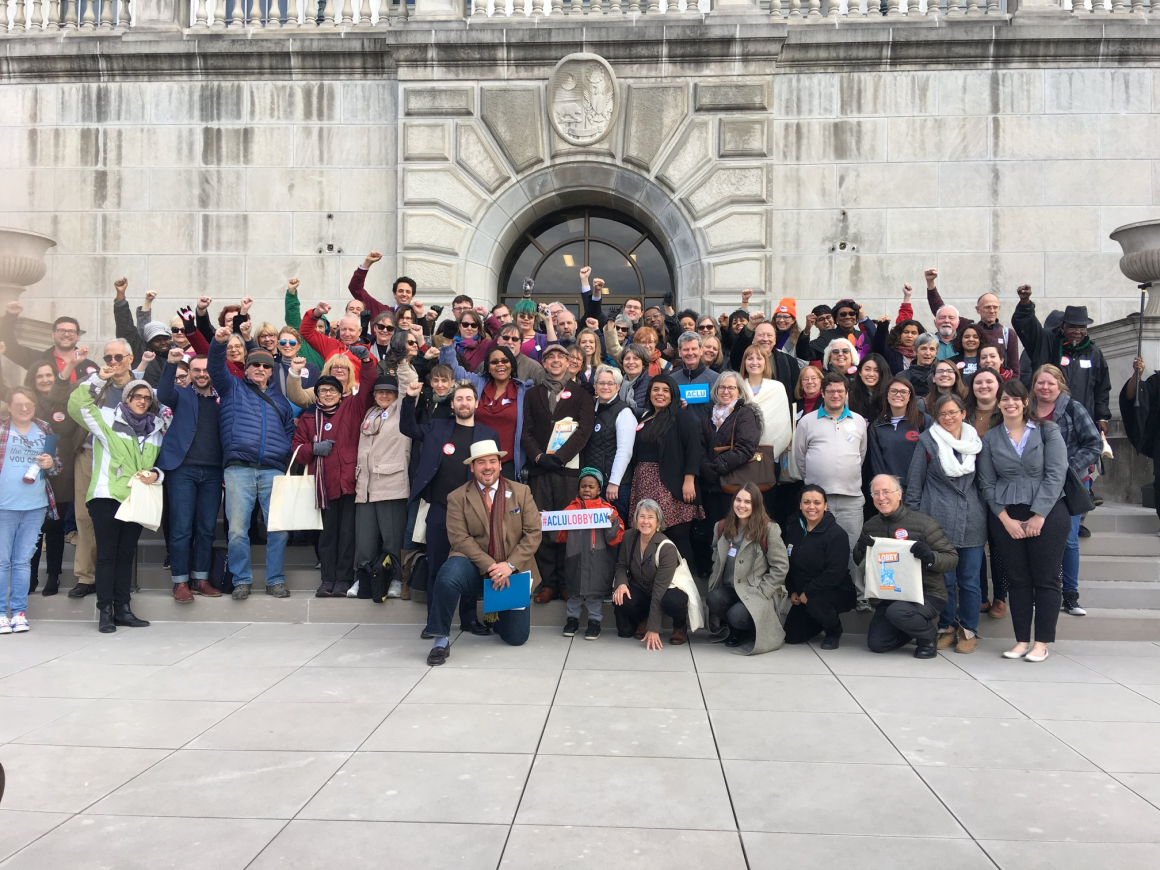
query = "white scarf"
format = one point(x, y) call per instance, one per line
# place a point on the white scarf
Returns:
point(721, 413)
point(968, 446)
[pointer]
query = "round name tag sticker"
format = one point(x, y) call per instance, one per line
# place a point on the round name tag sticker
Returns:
point(448, 449)
point(901, 534)
point(639, 426)
point(852, 370)
point(327, 427)
point(385, 414)
point(1065, 361)
point(567, 394)
point(58, 417)
point(596, 428)
point(960, 365)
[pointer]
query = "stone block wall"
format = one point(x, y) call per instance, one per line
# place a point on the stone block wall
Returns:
point(789, 176)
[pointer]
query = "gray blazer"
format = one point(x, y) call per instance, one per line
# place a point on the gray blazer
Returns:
point(1035, 479)
point(954, 502)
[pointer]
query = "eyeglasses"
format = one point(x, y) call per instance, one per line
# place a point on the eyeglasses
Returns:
point(901, 394)
point(950, 415)
point(65, 331)
point(287, 342)
point(882, 493)
point(328, 391)
point(836, 394)
point(141, 397)
point(111, 358)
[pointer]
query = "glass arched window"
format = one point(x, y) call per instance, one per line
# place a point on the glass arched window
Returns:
point(619, 250)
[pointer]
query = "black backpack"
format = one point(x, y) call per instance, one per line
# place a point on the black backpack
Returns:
point(375, 579)
point(418, 579)
point(220, 576)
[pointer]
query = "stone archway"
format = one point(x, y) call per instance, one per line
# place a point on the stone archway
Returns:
point(567, 185)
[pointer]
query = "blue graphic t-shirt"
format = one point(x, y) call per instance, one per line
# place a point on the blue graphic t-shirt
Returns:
point(21, 452)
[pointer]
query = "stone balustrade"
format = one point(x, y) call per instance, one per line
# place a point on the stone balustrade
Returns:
point(23, 17)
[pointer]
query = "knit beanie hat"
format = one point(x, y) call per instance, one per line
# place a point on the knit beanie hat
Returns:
point(589, 471)
point(788, 305)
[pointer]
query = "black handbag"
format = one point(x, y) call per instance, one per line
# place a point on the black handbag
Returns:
point(1076, 496)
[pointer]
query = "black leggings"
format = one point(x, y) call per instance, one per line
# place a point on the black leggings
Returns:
point(822, 612)
point(116, 549)
point(1032, 571)
point(52, 534)
point(635, 610)
point(336, 542)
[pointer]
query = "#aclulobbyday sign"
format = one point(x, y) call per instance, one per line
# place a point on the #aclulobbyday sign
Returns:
point(558, 521)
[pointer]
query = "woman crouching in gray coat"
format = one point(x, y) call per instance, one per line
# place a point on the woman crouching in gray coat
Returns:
point(747, 597)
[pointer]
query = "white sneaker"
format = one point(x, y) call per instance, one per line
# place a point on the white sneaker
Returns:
point(1076, 610)
point(5, 625)
point(19, 623)
point(395, 589)
point(352, 592)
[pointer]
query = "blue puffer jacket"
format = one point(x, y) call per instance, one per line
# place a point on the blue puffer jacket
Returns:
point(251, 430)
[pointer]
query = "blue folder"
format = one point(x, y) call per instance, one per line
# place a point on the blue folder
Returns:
point(518, 594)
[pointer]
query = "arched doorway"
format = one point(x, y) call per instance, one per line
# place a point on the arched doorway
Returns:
point(619, 249)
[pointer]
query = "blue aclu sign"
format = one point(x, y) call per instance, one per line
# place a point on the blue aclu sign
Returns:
point(694, 394)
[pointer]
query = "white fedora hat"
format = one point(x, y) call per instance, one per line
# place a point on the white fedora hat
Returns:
point(484, 448)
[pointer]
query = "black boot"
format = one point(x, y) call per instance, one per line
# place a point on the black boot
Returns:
point(925, 650)
point(33, 585)
point(124, 616)
point(51, 586)
point(107, 625)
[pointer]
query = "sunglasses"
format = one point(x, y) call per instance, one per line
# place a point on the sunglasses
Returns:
point(385, 326)
point(514, 339)
point(287, 342)
point(467, 324)
point(111, 358)
point(622, 329)
point(265, 366)
point(498, 362)
point(705, 327)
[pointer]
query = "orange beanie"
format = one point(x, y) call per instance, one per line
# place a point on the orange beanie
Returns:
point(788, 305)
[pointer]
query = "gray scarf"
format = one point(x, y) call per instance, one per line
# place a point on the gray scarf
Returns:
point(554, 389)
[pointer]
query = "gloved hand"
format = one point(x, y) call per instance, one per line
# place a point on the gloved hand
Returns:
point(922, 551)
point(322, 448)
point(359, 350)
point(866, 540)
point(550, 462)
point(448, 328)
point(668, 300)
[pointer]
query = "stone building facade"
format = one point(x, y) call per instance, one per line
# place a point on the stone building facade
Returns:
point(809, 157)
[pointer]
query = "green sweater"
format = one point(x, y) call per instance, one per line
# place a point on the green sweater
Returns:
point(294, 318)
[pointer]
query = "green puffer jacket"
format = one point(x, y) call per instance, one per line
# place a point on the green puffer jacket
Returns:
point(118, 453)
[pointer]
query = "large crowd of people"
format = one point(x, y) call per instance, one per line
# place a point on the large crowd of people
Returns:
point(764, 454)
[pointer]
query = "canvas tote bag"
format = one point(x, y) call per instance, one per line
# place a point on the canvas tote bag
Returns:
point(293, 504)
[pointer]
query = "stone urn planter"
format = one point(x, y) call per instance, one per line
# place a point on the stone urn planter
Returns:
point(21, 261)
point(1141, 261)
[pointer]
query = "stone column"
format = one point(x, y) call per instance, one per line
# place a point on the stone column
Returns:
point(1038, 10)
point(438, 9)
point(162, 15)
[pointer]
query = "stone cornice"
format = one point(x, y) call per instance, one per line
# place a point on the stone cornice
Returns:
point(459, 50)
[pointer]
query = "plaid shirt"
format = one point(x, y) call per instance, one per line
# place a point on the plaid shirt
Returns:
point(5, 426)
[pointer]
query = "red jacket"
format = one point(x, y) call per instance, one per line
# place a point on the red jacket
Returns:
point(326, 347)
point(338, 467)
point(374, 306)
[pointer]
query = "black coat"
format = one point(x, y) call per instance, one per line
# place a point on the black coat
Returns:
point(539, 419)
point(819, 559)
point(737, 439)
point(680, 452)
point(1086, 371)
point(431, 437)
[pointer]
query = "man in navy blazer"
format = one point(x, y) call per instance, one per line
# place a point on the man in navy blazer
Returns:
point(443, 447)
point(191, 457)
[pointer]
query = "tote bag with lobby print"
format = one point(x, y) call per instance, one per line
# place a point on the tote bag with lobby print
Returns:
point(293, 505)
point(892, 572)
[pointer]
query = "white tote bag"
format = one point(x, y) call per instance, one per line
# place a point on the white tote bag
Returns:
point(419, 534)
point(892, 573)
point(143, 506)
point(683, 580)
point(789, 467)
point(293, 504)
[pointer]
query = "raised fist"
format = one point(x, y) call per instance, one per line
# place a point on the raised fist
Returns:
point(811, 320)
point(247, 301)
point(931, 275)
point(245, 328)
point(597, 283)
point(292, 285)
point(746, 295)
point(15, 308)
point(148, 357)
point(481, 311)
point(1024, 291)
point(417, 308)
point(121, 285)
point(222, 334)
point(372, 258)
point(907, 290)
point(175, 355)
point(414, 388)
point(585, 271)
point(322, 309)
point(204, 302)
point(360, 351)
point(297, 364)
point(591, 322)
point(756, 317)
point(150, 295)
point(723, 321)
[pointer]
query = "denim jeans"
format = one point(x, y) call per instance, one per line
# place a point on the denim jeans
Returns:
point(1071, 557)
point(195, 494)
point(459, 577)
point(244, 486)
point(964, 595)
point(19, 531)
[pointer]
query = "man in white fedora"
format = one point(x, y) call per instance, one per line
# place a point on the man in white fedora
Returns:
point(493, 526)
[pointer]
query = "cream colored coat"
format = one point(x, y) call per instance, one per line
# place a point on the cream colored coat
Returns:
point(383, 452)
point(776, 427)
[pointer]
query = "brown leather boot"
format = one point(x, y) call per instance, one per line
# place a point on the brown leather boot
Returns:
point(680, 636)
point(181, 593)
point(204, 587)
point(546, 594)
point(998, 610)
point(640, 630)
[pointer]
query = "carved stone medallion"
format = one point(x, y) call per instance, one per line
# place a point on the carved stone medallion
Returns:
point(582, 98)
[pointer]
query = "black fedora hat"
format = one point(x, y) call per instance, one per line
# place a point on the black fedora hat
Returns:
point(1076, 315)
